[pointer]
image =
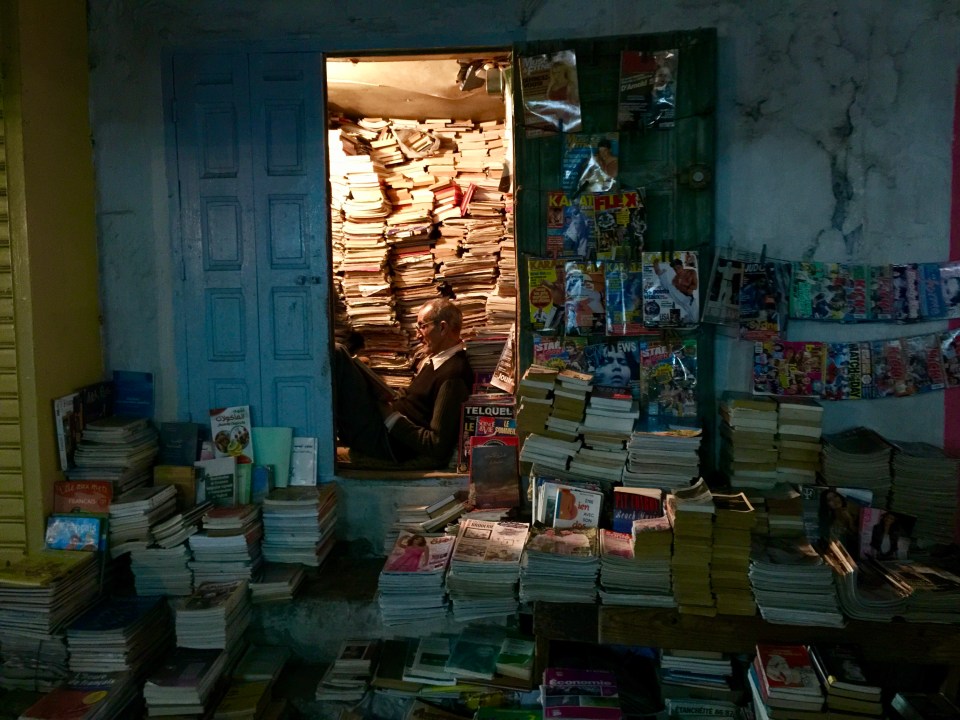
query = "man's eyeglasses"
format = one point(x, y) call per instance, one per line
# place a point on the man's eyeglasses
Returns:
point(424, 325)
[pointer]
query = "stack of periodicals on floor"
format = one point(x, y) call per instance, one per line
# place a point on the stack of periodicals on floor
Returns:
point(228, 548)
point(133, 514)
point(864, 590)
point(667, 459)
point(215, 615)
point(799, 427)
point(575, 694)
point(92, 696)
point(348, 676)
point(858, 458)
point(560, 565)
point(925, 487)
point(782, 679)
point(411, 582)
point(184, 682)
point(697, 683)
point(39, 596)
point(730, 562)
point(850, 688)
point(792, 584)
point(485, 569)
point(748, 447)
point(162, 571)
point(425, 519)
point(116, 448)
point(299, 524)
point(278, 582)
point(626, 579)
point(690, 512)
point(120, 634)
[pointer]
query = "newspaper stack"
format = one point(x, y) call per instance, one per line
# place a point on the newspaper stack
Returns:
point(183, 684)
point(485, 569)
point(730, 562)
point(666, 459)
point(799, 427)
point(214, 616)
point(411, 582)
point(690, 512)
point(229, 546)
point(133, 514)
point(625, 580)
point(925, 487)
point(299, 524)
point(116, 448)
point(348, 676)
point(560, 565)
point(792, 584)
point(120, 634)
point(858, 458)
point(162, 571)
point(748, 445)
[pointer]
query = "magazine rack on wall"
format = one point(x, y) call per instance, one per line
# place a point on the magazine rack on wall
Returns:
point(673, 166)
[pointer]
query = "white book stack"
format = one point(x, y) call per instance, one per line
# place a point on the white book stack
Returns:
point(799, 428)
point(133, 514)
point(162, 571)
point(213, 616)
point(666, 459)
point(299, 524)
point(560, 565)
point(411, 585)
point(228, 548)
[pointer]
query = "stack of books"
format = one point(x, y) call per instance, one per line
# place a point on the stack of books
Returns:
point(611, 409)
point(548, 453)
point(574, 694)
point(560, 565)
point(784, 511)
point(33, 661)
point(348, 676)
point(278, 582)
point(133, 514)
point(666, 459)
point(851, 692)
point(698, 683)
point(485, 569)
point(748, 445)
point(426, 519)
point(865, 591)
point(228, 548)
point(934, 588)
point(925, 487)
point(622, 579)
point(799, 427)
point(162, 571)
point(120, 634)
point(535, 398)
point(299, 524)
point(117, 448)
point(176, 529)
point(793, 585)
point(185, 681)
point(782, 679)
point(690, 511)
point(214, 616)
point(730, 562)
point(859, 458)
point(569, 403)
point(411, 583)
point(653, 553)
point(91, 696)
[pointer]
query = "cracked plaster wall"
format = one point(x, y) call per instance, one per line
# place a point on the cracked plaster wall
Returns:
point(834, 131)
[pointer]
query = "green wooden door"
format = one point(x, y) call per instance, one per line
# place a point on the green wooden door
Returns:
point(674, 166)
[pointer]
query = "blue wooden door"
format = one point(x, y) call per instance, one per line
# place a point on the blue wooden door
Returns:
point(253, 306)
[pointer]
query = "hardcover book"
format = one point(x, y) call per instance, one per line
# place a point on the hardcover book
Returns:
point(179, 443)
point(218, 481)
point(494, 473)
point(485, 416)
point(786, 669)
point(230, 429)
point(75, 532)
point(86, 496)
point(841, 667)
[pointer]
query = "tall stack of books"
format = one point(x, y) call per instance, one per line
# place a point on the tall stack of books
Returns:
point(120, 634)
point(549, 454)
point(607, 425)
point(299, 524)
point(133, 514)
point(485, 569)
point(925, 482)
point(799, 427)
point(858, 458)
point(214, 616)
point(411, 583)
point(851, 692)
point(560, 565)
point(535, 399)
point(117, 448)
point(625, 580)
point(784, 511)
point(569, 404)
point(730, 562)
point(748, 445)
point(653, 553)
point(185, 682)
point(690, 511)
point(229, 547)
point(782, 679)
point(666, 459)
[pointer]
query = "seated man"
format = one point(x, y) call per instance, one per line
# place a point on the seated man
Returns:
point(419, 427)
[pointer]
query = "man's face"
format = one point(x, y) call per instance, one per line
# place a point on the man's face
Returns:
point(614, 371)
point(429, 330)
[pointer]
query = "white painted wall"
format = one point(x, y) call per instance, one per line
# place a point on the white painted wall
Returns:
point(834, 132)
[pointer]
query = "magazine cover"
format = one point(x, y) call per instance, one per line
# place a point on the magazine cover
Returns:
point(545, 293)
point(722, 302)
point(577, 508)
point(882, 301)
point(75, 532)
point(620, 223)
point(230, 430)
point(889, 369)
point(561, 353)
point(615, 363)
point(950, 354)
point(584, 308)
point(816, 293)
point(782, 367)
point(765, 299)
point(950, 288)
point(485, 416)
point(414, 552)
point(856, 282)
point(932, 301)
point(884, 534)
point(669, 368)
point(906, 292)
point(624, 285)
point(647, 96)
point(494, 474)
point(671, 295)
point(574, 542)
point(923, 362)
point(551, 93)
point(842, 378)
point(571, 226)
point(590, 163)
point(838, 516)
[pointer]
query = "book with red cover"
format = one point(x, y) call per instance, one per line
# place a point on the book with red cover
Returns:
point(82, 697)
point(86, 496)
point(786, 671)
